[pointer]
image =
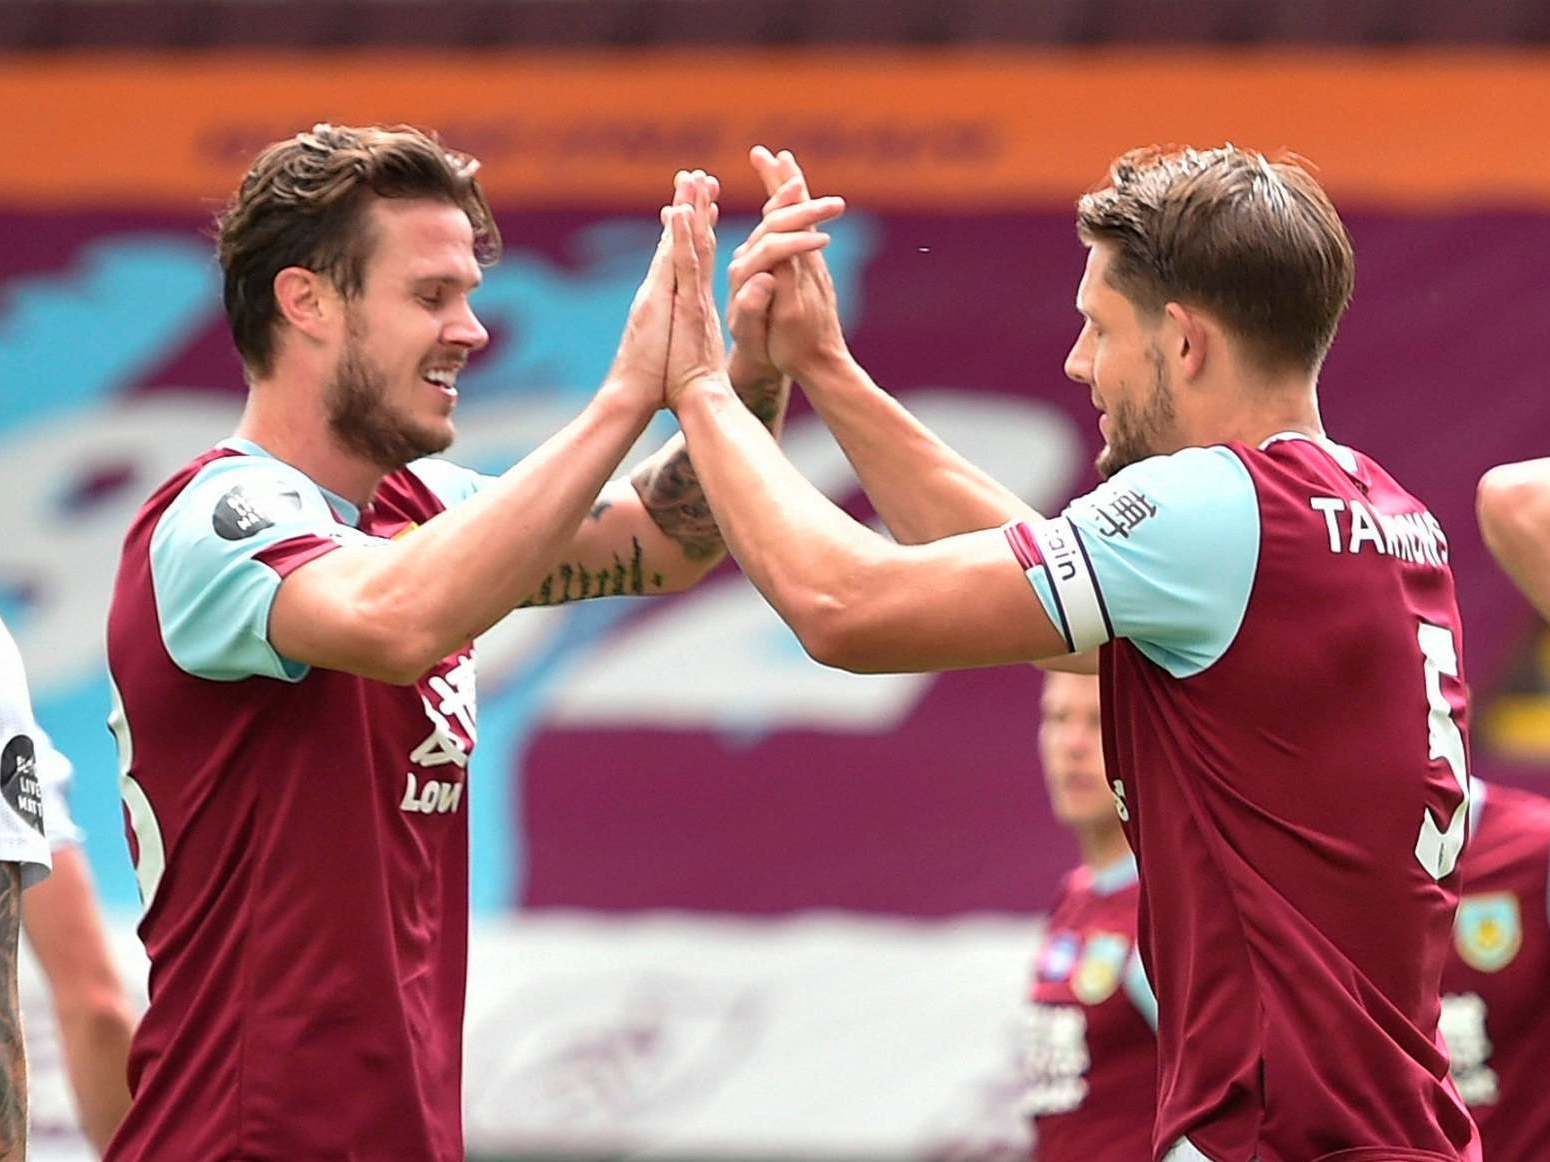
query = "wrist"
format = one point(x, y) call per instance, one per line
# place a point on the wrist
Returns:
point(743, 366)
point(763, 388)
point(825, 362)
point(704, 390)
point(627, 398)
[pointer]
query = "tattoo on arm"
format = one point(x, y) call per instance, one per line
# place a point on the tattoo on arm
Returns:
point(13, 1054)
point(671, 492)
point(575, 582)
point(765, 396)
point(670, 489)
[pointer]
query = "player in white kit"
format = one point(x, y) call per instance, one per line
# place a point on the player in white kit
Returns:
point(24, 861)
point(76, 1008)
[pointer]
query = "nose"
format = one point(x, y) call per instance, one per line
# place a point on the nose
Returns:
point(1079, 360)
point(1081, 745)
point(465, 330)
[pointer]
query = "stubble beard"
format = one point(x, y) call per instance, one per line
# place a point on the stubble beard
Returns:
point(364, 423)
point(1137, 432)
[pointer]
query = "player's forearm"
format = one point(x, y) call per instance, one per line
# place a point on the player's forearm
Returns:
point(922, 489)
point(670, 489)
point(91, 1008)
point(800, 551)
point(764, 389)
point(1514, 510)
point(456, 576)
point(96, 1040)
point(13, 1053)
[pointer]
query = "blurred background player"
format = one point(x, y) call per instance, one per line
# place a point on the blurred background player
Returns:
point(1496, 983)
point(24, 862)
point(78, 1012)
point(1092, 1034)
point(1294, 878)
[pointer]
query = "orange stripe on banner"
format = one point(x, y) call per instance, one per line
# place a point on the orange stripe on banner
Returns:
point(934, 131)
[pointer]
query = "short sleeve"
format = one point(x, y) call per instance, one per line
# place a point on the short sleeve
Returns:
point(218, 556)
point(1162, 554)
point(54, 773)
point(451, 483)
point(22, 836)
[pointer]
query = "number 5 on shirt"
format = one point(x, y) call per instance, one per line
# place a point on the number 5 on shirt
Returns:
point(1438, 849)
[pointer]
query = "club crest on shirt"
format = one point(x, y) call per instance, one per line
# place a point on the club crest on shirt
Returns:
point(1101, 968)
point(243, 511)
point(19, 781)
point(1489, 930)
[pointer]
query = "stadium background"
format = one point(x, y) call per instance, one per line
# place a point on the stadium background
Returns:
point(729, 904)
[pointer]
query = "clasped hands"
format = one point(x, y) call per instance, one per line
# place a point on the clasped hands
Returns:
point(782, 311)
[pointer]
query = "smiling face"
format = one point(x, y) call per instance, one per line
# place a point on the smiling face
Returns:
point(407, 334)
point(1117, 355)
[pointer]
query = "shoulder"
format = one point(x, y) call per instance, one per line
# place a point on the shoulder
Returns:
point(1172, 507)
point(1071, 896)
point(241, 495)
point(1513, 810)
point(1076, 882)
point(239, 503)
point(219, 553)
point(1185, 481)
point(1317, 461)
point(439, 482)
point(1163, 553)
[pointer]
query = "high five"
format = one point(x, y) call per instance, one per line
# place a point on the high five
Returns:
point(1284, 722)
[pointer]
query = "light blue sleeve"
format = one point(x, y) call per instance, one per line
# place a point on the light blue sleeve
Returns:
point(452, 483)
point(1163, 554)
point(1139, 989)
point(213, 594)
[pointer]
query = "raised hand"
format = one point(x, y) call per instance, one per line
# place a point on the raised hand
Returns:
point(641, 363)
point(782, 294)
point(640, 366)
point(695, 352)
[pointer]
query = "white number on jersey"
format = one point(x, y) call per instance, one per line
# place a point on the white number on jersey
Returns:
point(1438, 847)
point(1121, 808)
point(151, 853)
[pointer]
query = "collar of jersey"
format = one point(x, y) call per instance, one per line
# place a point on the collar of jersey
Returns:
point(1116, 877)
point(1342, 455)
point(343, 509)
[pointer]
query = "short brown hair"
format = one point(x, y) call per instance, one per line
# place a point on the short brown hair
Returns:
point(1251, 239)
point(304, 203)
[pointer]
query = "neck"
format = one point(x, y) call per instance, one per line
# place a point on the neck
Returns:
point(1102, 844)
point(1251, 410)
point(293, 426)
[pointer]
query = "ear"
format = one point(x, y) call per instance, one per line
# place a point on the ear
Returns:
point(304, 299)
point(1190, 340)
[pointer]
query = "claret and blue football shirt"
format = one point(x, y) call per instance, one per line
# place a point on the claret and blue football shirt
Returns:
point(1285, 718)
point(300, 836)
